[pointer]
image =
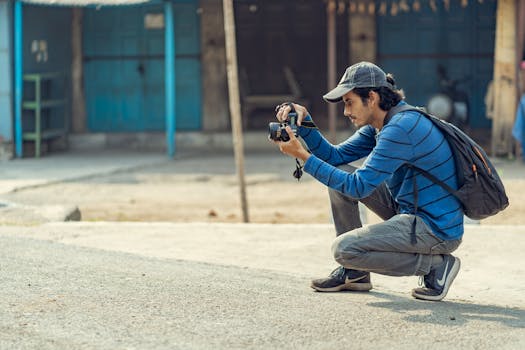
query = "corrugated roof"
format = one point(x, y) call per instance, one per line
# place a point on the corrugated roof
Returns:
point(84, 2)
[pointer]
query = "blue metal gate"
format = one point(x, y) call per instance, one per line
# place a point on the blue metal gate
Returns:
point(124, 68)
point(412, 44)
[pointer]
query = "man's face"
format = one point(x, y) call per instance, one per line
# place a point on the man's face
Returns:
point(359, 113)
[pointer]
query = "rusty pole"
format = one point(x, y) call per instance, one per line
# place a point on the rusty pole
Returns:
point(235, 105)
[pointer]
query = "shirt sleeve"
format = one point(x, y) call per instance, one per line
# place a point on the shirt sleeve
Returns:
point(393, 149)
point(359, 145)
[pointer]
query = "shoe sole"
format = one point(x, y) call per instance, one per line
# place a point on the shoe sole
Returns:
point(353, 286)
point(453, 273)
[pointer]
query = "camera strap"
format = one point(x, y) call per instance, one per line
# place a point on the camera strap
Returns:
point(308, 124)
point(298, 170)
point(305, 123)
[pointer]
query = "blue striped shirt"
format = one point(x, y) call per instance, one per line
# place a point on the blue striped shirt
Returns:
point(409, 137)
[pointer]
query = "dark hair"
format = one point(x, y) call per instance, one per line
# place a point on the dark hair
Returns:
point(388, 97)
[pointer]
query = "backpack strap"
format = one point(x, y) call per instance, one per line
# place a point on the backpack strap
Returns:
point(398, 109)
point(406, 107)
point(403, 108)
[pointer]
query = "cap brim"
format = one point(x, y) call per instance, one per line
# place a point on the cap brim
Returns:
point(336, 95)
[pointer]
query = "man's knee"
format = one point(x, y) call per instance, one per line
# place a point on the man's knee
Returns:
point(344, 248)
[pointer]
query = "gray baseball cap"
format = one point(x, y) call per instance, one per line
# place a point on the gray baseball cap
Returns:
point(359, 75)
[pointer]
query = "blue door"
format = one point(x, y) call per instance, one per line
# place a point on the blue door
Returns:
point(124, 68)
point(411, 45)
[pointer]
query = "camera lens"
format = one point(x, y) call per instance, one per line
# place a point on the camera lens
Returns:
point(277, 132)
point(274, 131)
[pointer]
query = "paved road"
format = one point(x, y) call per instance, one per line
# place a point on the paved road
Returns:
point(63, 296)
point(201, 286)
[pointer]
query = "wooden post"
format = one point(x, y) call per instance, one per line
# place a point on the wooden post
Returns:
point(215, 113)
point(78, 102)
point(235, 105)
point(332, 66)
point(520, 38)
point(505, 73)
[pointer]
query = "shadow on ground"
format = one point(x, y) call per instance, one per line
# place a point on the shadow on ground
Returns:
point(449, 312)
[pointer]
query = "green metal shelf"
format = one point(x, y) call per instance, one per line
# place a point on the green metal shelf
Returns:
point(37, 105)
point(43, 104)
point(49, 133)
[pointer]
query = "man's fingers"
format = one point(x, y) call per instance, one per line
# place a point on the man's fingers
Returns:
point(284, 109)
point(284, 113)
point(290, 132)
point(301, 113)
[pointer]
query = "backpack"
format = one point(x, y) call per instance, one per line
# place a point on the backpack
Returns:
point(480, 190)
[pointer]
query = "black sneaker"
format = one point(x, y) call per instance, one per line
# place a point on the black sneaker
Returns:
point(343, 279)
point(438, 281)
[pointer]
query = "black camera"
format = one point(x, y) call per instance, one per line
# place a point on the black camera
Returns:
point(277, 131)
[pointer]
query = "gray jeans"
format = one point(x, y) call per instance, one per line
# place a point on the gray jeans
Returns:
point(383, 248)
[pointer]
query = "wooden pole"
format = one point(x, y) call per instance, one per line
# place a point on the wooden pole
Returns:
point(520, 37)
point(332, 66)
point(505, 72)
point(78, 102)
point(235, 105)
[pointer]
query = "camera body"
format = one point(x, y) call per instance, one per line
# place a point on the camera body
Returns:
point(277, 131)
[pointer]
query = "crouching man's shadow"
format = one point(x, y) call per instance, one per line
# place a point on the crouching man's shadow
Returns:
point(449, 312)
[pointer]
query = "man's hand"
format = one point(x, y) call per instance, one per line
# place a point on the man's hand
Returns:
point(293, 147)
point(284, 109)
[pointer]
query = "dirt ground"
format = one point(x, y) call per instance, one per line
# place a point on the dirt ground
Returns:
point(162, 194)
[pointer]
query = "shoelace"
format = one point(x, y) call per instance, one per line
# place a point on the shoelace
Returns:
point(421, 281)
point(338, 272)
point(425, 280)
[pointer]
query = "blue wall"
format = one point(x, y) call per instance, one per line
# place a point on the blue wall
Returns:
point(52, 24)
point(124, 68)
point(411, 45)
point(6, 87)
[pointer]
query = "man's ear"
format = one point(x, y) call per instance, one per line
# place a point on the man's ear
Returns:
point(373, 97)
